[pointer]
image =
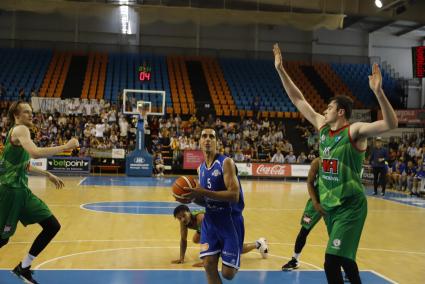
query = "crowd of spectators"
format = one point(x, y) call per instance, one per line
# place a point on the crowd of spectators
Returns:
point(405, 166)
point(101, 126)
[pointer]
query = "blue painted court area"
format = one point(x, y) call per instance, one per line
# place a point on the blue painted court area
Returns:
point(128, 181)
point(136, 207)
point(176, 277)
point(399, 197)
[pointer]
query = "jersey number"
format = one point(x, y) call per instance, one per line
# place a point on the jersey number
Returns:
point(209, 183)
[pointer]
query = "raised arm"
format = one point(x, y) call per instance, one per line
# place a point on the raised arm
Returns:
point(294, 93)
point(22, 134)
point(362, 129)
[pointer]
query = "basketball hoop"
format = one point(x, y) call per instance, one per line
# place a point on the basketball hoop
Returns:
point(143, 108)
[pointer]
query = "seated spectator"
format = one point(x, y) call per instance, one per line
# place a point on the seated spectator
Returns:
point(193, 145)
point(419, 176)
point(159, 164)
point(287, 148)
point(239, 156)
point(278, 157)
point(397, 172)
point(113, 138)
point(407, 177)
point(311, 156)
point(290, 158)
point(302, 158)
point(247, 152)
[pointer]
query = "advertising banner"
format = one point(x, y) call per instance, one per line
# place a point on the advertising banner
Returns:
point(68, 165)
point(362, 115)
point(300, 170)
point(192, 159)
point(409, 116)
point(244, 169)
point(271, 170)
point(367, 176)
point(118, 153)
point(39, 163)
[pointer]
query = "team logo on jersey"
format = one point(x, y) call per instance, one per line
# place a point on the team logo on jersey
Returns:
point(216, 173)
point(7, 229)
point(330, 166)
point(336, 243)
point(327, 151)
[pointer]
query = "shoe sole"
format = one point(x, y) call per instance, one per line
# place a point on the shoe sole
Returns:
point(22, 278)
point(290, 269)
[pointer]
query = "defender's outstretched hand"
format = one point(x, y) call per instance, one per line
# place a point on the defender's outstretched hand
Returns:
point(375, 80)
point(277, 57)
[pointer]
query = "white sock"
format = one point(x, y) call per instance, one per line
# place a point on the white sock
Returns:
point(27, 261)
point(296, 256)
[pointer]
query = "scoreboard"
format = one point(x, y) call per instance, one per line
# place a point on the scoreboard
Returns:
point(145, 73)
point(418, 55)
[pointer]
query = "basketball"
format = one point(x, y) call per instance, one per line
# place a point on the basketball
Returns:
point(178, 188)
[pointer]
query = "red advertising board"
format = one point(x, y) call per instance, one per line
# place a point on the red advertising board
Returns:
point(192, 159)
point(271, 170)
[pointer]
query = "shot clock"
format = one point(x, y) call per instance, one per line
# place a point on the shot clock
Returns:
point(145, 73)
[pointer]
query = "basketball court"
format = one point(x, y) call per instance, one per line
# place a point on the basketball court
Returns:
point(121, 230)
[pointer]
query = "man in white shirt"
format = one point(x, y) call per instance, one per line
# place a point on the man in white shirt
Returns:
point(123, 123)
point(100, 128)
point(290, 158)
point(278, 158)
point(87, 108)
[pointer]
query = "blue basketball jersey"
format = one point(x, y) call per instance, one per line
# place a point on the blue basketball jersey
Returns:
point(212, 179)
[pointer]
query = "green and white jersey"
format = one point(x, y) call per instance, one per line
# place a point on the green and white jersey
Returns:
point(341, 167)
point(14, 168)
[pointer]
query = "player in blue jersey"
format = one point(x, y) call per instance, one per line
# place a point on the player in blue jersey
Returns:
point(222, 230)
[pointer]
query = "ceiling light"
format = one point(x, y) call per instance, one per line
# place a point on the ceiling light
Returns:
point(378, 3)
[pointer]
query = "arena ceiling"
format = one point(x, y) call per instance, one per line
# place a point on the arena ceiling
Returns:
point(404, 18)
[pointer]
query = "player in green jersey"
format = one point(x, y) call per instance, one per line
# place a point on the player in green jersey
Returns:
point(193, 220)
point(311, 215)
point(17, 202)
point(342, 150)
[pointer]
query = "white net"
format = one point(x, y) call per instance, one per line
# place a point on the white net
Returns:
point(151, 102)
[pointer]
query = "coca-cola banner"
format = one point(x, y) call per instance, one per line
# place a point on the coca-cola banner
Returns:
point(271, 170)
